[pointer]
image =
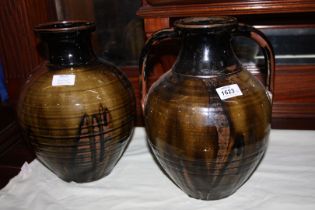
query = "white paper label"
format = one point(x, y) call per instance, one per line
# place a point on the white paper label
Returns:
point(229, 91)
point(63, 80)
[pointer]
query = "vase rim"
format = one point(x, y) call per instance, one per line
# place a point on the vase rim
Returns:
point(205, 22)
point(65, 26)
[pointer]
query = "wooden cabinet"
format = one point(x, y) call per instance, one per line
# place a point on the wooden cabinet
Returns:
point(294, 83)
point(226, 7)
point(18, 44)
point(19, 56)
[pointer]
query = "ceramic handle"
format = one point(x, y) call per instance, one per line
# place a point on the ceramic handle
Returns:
point(262, 41)
point(144, 70)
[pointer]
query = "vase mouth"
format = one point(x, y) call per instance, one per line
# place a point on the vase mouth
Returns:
point(205, 22)
point(65, 26)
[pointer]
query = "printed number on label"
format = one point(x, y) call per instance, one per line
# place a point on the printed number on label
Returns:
point(63, 80)
point(229, 91)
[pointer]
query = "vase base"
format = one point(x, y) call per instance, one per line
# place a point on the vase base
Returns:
point(210, 196)
point(85, 179)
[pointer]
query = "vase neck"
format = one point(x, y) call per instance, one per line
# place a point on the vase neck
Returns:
point(69, 49)
point(69, 42)
point(206, 54)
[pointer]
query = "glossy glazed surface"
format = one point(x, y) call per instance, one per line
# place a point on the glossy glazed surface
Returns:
point(78, 131)
point(207, 145)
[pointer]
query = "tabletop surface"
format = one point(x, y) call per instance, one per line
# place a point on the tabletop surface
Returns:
point(284, 180)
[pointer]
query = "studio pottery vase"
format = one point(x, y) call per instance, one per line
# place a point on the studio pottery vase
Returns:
point(77, 111)
point(207, 118)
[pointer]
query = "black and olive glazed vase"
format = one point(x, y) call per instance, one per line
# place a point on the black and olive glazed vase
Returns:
point(77, 111)
point(208, 145)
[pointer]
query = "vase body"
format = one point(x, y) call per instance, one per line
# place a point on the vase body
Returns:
point(77, 111)
point(208, 145)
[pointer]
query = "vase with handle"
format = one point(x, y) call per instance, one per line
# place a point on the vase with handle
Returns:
point(208, 118)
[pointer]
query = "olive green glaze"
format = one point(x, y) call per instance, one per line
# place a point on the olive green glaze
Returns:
point(78, 131)
point(208, 146)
